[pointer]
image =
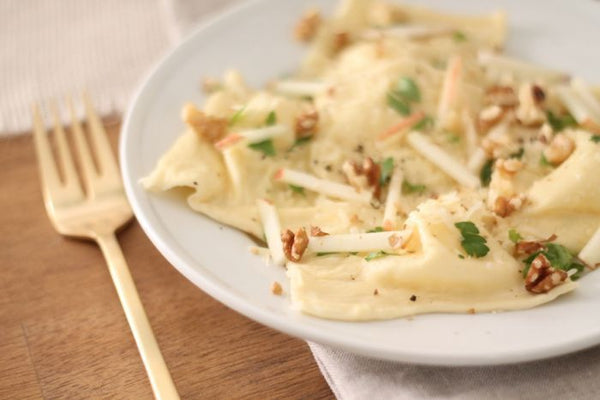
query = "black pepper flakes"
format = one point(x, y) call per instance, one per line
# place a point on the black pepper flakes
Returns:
point(413, 298)
point(359, 149)
point(375, 292)
point(328, 167)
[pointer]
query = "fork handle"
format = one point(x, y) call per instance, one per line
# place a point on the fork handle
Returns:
point(160, 379)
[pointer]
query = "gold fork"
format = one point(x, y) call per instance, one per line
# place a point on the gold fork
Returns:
point(96, 213)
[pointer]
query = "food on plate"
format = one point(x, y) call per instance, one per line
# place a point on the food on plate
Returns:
point(407, 167)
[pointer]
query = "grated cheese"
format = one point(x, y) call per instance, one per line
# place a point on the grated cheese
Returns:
point(299, 88)
point(393, 199)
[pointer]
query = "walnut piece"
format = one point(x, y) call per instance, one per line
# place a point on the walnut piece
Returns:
point(340, 40)
point(559, 150)
point(276, 288)
point(316, 231)
point(205, 126)
point(294, 245)
point(503, 96)
point(306, 124)
point(508, 167)
point(542, 276)
point(530, 111)
point(307, 26)
point(365, 176)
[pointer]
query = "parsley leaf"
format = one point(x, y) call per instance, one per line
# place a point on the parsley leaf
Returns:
point(297, 189)
point(266, 147)
point(397, 103)
point(408, 89)
point(595, 138)
point(300, 142)
point(376, 229)
point(459, 36)
point(387, 166)
point(237, 116)
point(559, 256)
point(425, 123)
point(514, 236)
point(271, 119)
point(544, 161)
point(375, 254)
point(560, 122)
point(453, 138)
point(472, 242)
point(408, 187)
point(518, 154)
point(485, 175)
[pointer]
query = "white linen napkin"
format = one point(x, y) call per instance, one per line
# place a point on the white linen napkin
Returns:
point(51, 49)
point(353, 377)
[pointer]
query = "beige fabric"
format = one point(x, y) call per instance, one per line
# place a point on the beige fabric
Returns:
point(353, 377)
point(49, 49)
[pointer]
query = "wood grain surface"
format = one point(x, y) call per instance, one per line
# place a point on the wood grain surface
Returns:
point(63, 334)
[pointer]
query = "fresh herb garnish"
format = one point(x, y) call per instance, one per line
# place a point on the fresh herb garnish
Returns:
point(485, 175)
point(405, 92)
point(387, 166)
point(595, 138)
point(300, 142)
point(297, 189)
point(453, 138)
point(560, 122)
point(266, 147)
point(237, 116)
point(559, 256)
point(514, 236)
point(408, 187)
point(425, 123)
point(325, 253)
point(459, 36)
point(472, 242)
point(376, 229)
point(408, 89)
point(271, 119)
point(397, 103)
point(375, 254)
point(544, 161)
point(518, 154)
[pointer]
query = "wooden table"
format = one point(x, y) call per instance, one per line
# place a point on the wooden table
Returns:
point(63, 334)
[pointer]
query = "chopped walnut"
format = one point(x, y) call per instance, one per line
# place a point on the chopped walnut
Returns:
point(294, 245)
point(489, 117)
point(205, 126)
point(316, 231)
point(306, 123)
point(340, 40)
point(276, 288)
point(542, 276)
point(530, 112)
point(559, 150)
point(365, 176)
point(525, 248)
point(503, 207)
point(307, 26)
point(503, 96)
point(509, 167)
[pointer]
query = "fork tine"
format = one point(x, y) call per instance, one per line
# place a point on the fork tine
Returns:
point(64, 154)
point(88, 168)
point(48, 172)
point(106, 160)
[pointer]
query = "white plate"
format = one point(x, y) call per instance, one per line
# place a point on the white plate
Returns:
point(256, 39)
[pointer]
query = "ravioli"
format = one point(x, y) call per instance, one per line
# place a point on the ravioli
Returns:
point(408, 167)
